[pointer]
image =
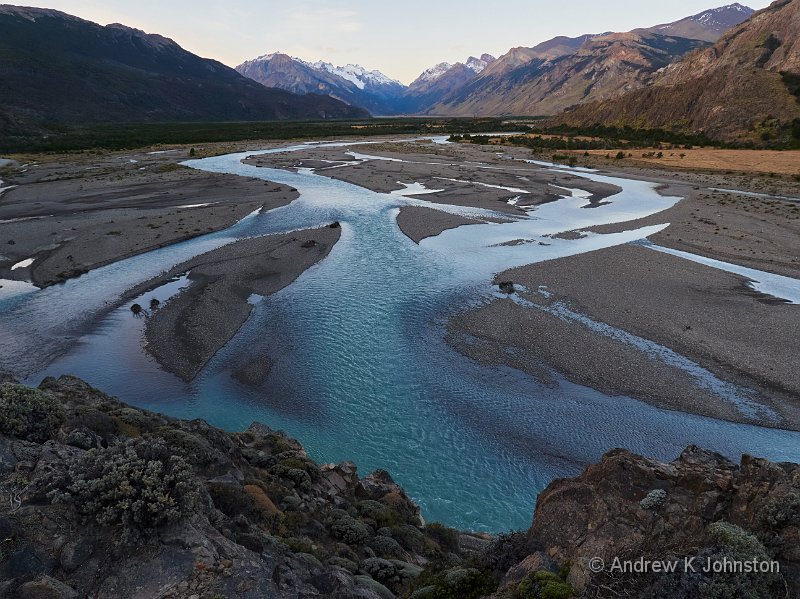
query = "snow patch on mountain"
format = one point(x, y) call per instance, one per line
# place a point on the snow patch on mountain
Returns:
point(478, 64)
point(433, 73)
point(354, 73)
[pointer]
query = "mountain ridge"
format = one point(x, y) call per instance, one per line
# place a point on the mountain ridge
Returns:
point(703, 91)
point(64, 69)
point(545, 79)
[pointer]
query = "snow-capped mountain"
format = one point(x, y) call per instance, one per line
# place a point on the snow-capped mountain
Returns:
point(478, 64)
point(428, 76)
point(708, 25)
point(354, 73)
point(350, 83)
point(433, 73)
point(542, 79)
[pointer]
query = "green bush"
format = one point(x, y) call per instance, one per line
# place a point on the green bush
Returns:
point(409, 537)
point(447, 538)
point(29, 413)
point(351, 531)
point(460, 583)
point(386, 547)
point(377, 511)
point(138, 485)
point(383, 571)
point(654, 500)
point(544, 585)
point(781, 511)
point(737, 545)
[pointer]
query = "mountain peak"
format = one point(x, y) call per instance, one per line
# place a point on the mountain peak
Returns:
point(708, 25)
point(478, 64)
point(433, 73)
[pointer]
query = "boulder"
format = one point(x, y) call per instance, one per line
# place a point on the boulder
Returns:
point(45, 587)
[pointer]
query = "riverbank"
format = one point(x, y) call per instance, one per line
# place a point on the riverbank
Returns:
point(578, 315)
point(71, 214)
point(742, 340)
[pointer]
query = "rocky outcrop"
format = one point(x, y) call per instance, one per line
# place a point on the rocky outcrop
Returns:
point(700, 505)
point(110, 501)
point(104, 500)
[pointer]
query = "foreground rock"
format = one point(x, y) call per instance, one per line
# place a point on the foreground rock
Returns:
point(104, 500)
point(699, 506)
point(112, 501)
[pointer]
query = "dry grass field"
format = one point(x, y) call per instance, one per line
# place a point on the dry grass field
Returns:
point(785, 162)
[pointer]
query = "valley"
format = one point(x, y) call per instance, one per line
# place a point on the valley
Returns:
point(303, 328)
point(434, 227)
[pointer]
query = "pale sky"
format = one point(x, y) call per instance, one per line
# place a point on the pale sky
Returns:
point(401, 39)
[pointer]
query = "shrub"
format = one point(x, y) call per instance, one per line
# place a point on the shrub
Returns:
point(230, 499)
point(447, 538)
point(781, 511)
point(386, 546)
point(343, 563)
point(383, 571)
point(409, 537)
point(737, 545)
point(351, 531)
point(138, 485)
point(459, 583)
point(654, 500)
point(505, 551)
point(544, 585)
point(29, 413)
point(378, 512)
point(263, 506)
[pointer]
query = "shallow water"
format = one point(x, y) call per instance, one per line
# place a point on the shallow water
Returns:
point(361, 369)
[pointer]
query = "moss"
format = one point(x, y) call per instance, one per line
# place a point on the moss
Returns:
point(28, 413)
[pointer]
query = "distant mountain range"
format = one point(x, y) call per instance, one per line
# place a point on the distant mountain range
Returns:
point(745, 86)
point(61, 69)
point(543, 80)
point(351, 83)
point(726, 71)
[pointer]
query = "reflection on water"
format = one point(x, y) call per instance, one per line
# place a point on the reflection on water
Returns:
point(361, 370)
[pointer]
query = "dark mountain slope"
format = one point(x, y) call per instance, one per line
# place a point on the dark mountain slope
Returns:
point(744, 86)
point(59, 68)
